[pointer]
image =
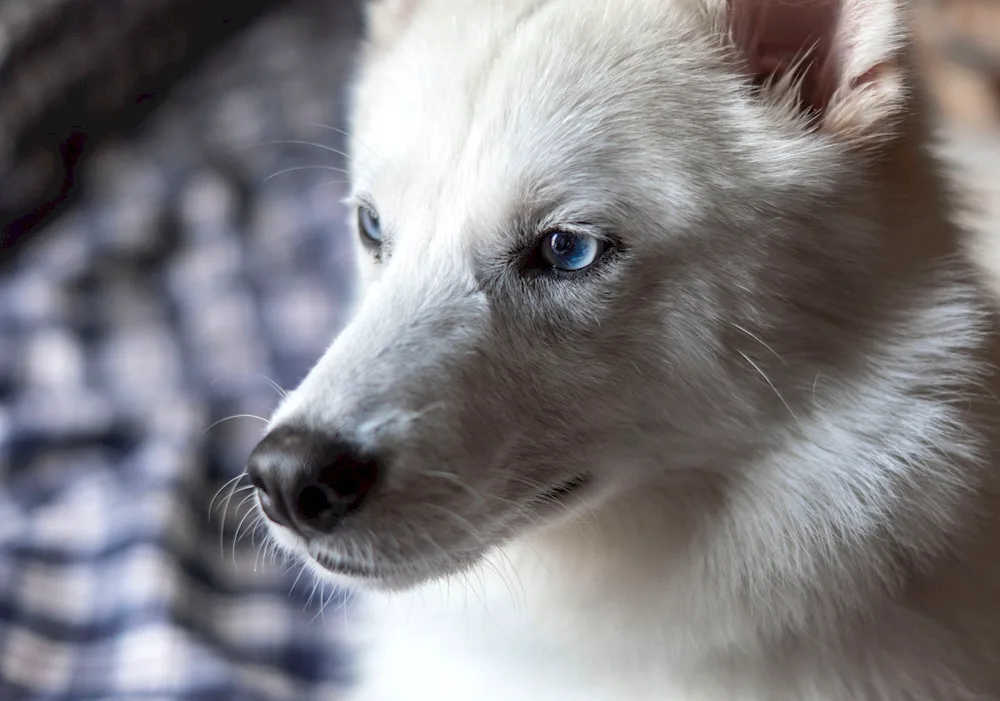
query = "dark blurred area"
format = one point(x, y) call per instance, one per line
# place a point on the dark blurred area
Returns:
point(74, 73)
point(173, 253)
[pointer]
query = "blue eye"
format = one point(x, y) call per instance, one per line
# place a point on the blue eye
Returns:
point(571, 252)
point(369, 225)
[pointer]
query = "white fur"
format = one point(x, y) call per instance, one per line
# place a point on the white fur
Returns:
point(781, 388)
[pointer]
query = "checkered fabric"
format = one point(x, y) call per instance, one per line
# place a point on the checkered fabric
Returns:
point(171, 297)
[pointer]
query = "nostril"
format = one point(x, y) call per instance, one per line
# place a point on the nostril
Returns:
point(337, 490)
point(313, 502)
point(350, 480)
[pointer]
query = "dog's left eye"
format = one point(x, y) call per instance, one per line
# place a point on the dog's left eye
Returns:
point(571, 252)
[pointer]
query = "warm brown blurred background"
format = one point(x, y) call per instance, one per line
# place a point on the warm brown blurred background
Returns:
point(959, 50)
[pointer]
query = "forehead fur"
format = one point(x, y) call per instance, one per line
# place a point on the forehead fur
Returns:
point(575, 102)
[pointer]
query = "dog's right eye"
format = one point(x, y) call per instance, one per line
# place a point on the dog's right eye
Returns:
point(571, 252)
point(369, 226)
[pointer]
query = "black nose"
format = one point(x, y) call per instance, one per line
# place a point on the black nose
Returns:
point(309, 481)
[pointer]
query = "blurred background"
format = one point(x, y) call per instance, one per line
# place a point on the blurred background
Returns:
point(172, 253)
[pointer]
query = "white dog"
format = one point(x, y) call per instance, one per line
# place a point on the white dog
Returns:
point(670, 378)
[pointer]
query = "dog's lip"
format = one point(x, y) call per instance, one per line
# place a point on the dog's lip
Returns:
point(566, 488)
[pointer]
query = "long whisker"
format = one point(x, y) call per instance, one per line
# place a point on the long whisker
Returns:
point(505, 557)
point(225, 515)
point(462, 522)
point(333, 593)
point(239, 527)
point(340, 131)
point(298, 577)
point(322, 597)
point(293, 142)
point(483, 543)
point(211, 504)
point(312, 592)
point(235, 416)
point(238, 490)
point(282, 392)
point(257, 522)
point(294, 169)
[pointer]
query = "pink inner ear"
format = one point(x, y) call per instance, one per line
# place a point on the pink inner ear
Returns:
point(776, 36)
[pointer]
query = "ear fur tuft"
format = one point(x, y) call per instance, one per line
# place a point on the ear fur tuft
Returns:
point(839, 62)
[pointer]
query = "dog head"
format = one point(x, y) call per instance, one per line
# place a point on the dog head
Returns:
point(605, 247)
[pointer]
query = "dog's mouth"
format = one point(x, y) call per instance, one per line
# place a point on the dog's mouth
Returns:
point(372, 574)
point(344, 567)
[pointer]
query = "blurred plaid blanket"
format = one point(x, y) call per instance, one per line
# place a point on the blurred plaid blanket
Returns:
point(172, 295)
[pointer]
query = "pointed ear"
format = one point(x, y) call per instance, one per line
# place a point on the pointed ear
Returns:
point(388, 18)
point(840, 62)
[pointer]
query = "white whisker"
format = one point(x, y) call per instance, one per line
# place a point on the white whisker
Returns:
point(295, 169)
point(218, 493)
point(347, 135)
point(282, 392)
point(298, 142)
point(236, 536)
point(235, 416)
point(302, 569)
point(225, 515)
